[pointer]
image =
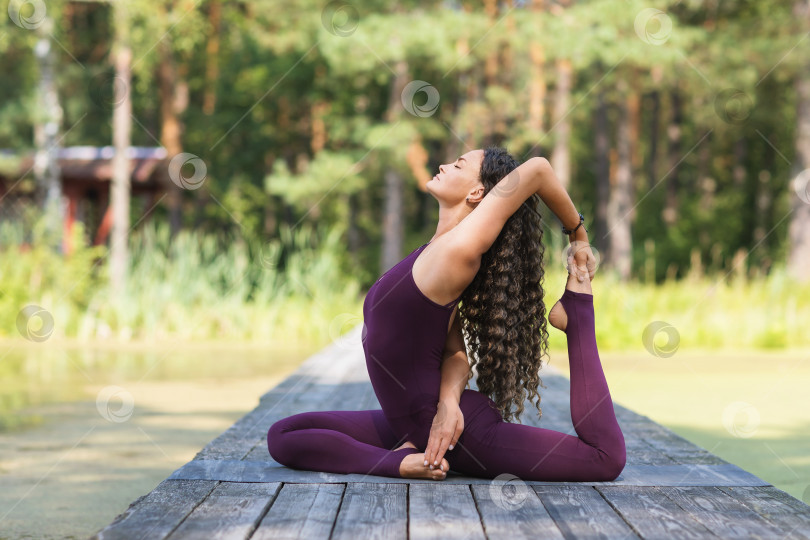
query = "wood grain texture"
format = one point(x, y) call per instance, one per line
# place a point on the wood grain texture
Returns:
point(232, 510)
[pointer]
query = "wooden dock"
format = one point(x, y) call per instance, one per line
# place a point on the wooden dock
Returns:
point(670, 488)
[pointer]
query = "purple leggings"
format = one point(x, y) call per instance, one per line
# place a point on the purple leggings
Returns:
point(363, 441)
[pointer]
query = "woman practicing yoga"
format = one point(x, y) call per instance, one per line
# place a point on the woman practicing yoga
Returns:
point(480, 277)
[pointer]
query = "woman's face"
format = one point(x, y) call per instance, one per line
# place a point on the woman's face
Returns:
point(458, 180)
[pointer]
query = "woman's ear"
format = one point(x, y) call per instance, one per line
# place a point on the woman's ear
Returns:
point(477, 195)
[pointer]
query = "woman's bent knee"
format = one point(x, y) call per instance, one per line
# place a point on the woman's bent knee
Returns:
point(275, 438)
point(613, 464)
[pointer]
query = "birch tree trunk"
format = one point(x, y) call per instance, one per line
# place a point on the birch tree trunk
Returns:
point(46, 130)
point(122, 126)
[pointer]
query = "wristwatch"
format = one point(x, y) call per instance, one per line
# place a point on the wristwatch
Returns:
point(581, 221)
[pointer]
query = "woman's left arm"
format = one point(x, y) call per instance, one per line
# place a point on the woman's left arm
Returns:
point(448, 424)
point(455, 366)
point(455, 371)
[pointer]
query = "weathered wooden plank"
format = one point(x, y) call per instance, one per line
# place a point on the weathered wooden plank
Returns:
point(557, 416)
point(777, 507)
point(231, 511)
point(634, 475)
point(318, 392)
point(371, 510)
point(651, 514)
point(301, 511)
point(510, 509)
point(347, 396)
point(581, 512)
point(687, 475)
point(640, 452)
point(675, 446)
point(438, 510)
point(661, 445)
point(242, 436)
point(156, 514)
point(720, 513)
point(289, 385)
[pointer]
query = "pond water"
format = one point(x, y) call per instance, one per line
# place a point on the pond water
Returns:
point(86, 430)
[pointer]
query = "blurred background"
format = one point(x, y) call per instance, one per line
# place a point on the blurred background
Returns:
point(195, 196)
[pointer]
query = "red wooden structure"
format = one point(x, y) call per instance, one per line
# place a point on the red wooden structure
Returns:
point(86, 173)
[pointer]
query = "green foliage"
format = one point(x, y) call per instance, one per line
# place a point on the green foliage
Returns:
point(195, 287)
point(278, 67)
point(296, 287)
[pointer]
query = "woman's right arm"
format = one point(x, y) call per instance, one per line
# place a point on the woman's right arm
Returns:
point(554, 195)
point(552, 192)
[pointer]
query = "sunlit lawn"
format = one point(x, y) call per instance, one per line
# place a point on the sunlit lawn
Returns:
point(750, 408)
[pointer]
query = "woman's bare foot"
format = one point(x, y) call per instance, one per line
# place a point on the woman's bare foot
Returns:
point(557, 316)
point(413, 466)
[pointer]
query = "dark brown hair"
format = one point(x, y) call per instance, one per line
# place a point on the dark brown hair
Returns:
point(502, 312)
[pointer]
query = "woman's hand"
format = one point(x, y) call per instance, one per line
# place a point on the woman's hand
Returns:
point(581, 260)
point(444, 432)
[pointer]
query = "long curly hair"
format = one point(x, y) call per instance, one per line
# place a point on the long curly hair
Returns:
point(502, 313)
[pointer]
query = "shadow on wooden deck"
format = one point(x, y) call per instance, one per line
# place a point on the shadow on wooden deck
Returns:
point(670, 488)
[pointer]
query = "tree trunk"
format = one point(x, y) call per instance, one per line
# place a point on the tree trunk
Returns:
point(466, 80)
point(633, 103)
point(46, 130)
point(763, 205)
point(561, 155)
point(656, 74)
point(655, 111)
point(212, 57)
point(738, 171)
point(393, 222)
point(707, 186)
point(621, 191)
point(537, 88)
point(491, 61)
point(122, 126)
point(601, 173)
point(670, 212)
point(798, 256)
point(173, 90)
point(353, 232)
point(634, 120)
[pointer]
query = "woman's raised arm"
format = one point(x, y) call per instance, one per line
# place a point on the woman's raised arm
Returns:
point(553, 194)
